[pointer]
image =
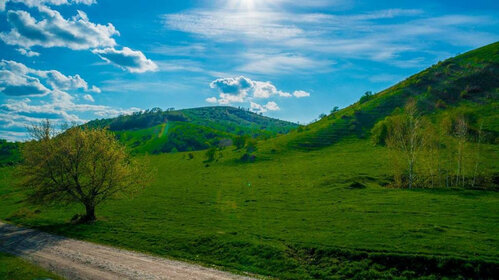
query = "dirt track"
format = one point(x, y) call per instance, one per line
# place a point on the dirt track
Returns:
point(75, 259)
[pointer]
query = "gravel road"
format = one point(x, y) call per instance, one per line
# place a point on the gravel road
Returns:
point(74, 259)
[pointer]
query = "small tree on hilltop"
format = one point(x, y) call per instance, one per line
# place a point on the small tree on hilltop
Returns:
point(86, 166)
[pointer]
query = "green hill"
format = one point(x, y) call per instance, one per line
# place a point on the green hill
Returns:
point(157, 131)
point(467, 82)
point(316, 203)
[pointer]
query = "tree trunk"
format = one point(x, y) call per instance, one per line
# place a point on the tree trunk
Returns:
point(89, 214)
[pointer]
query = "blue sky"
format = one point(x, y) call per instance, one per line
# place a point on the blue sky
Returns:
point(77, 60)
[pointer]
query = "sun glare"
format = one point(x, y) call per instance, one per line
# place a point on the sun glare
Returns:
point(248, 5)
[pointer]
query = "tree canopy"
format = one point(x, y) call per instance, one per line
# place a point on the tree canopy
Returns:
point(86, 166)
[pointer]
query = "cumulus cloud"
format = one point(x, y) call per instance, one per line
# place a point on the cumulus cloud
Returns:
point(88, 97)
point(238, 89)
point(27, 52)
point(47, 97)
point(211, 100)
point(76, 33)
point(16, 79)
point(53, 30)
point(301, 93)
point(266, 90)
point(16, 84)
point(128, 59)
point(270, 106)
point(38, 3)
point(61, 107)
point(242, 89)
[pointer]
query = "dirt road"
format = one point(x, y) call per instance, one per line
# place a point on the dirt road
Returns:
point(75, 259)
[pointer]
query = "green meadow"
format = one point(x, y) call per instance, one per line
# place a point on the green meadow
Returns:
point(306, 202)
point(12, 267)
point(292, 215)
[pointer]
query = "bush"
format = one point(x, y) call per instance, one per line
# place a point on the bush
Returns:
point(366, 97)
point(210, 154)
point(240, 142)
point(379, 132)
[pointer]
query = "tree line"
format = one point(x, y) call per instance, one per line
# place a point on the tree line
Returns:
point(445, 152)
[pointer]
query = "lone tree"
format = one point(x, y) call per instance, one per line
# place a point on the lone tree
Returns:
point(80, 165)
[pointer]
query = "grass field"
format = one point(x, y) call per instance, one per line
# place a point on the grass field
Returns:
point(14, 268)
point(291, 215)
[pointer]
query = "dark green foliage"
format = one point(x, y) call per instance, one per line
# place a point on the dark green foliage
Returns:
point(357, 185)
point(380, 131)
point(9, 153)
point(368, 95)
point(251, 148)
point(240, 141)
point(210, 154)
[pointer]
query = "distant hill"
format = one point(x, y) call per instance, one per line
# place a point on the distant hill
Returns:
point(468, 82)
point(158, 131)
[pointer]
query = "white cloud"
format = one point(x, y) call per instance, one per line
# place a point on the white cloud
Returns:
point(18, 80)
point(241, 89)
point(301, 93)
point(266, 90)
point(298, 37)
point(38, 3)
point(88, 97)
point(128, 59)
point(270, 106)
point(61, 107)
point(211, 100)
point(53, 30)
point(77, 33)
point(27, 52)
point(231, 26)
point(95, 89)
point(16, 84)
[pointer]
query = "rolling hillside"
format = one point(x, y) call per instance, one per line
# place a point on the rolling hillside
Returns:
point(157, 131)
point(315, 204)
point(468, 82)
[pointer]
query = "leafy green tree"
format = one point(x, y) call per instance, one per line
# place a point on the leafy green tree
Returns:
point(406, 138)
point(86, 166)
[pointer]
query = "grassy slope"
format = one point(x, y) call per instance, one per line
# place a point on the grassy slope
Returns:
point(470, 80)
point(13, 268)
point(287, 216)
